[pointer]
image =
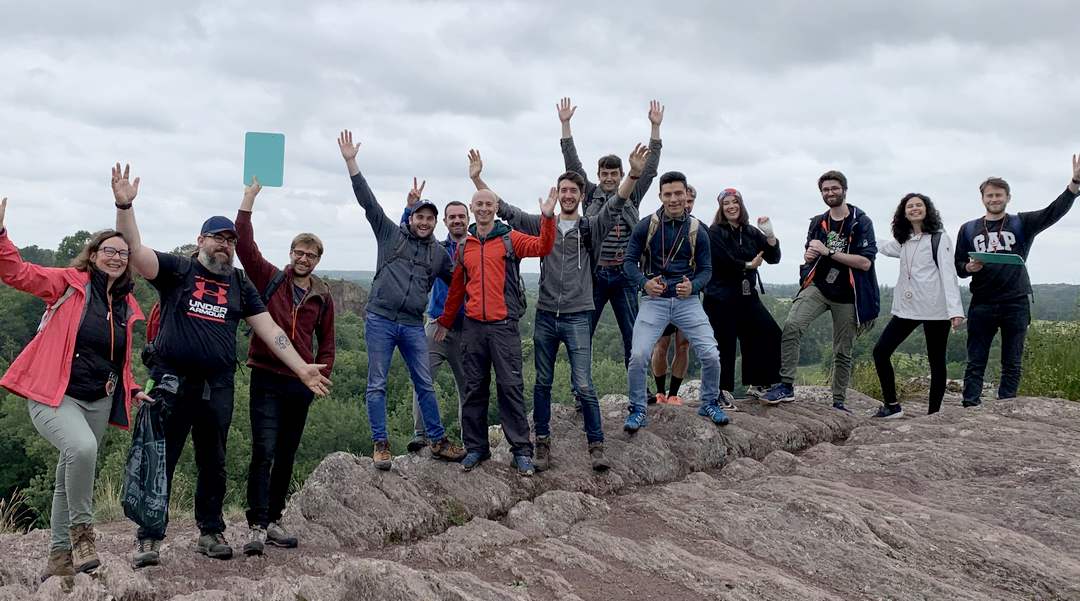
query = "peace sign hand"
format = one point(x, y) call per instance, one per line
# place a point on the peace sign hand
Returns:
point(124, 191)
point(415, 194)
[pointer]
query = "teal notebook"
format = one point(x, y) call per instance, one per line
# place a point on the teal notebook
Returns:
point(264, 158)
point(1000, 258)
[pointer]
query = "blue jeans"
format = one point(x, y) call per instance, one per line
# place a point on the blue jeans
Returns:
point(611, 284)
point(572, 329)
point(984, 320)
point(382, 335)
point(654, 315)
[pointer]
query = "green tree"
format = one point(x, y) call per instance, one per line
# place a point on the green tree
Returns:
point(70, 247)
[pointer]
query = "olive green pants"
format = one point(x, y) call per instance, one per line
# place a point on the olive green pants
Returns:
point(809, 304)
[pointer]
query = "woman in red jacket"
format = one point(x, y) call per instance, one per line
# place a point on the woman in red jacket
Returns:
point(76, 375)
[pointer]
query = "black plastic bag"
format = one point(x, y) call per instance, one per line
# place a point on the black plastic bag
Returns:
point(146, 489)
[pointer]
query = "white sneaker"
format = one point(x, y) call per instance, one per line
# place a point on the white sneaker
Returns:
point(756, 391)
point(727, 401)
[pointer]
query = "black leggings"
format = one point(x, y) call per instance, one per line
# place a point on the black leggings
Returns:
point(937, 338)
point(744, 318)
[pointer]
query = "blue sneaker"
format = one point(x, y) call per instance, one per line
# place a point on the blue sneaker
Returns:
point(636, 420)
point(887, 411)
point(473, 459)
point(779, 393)
point(715, 413)
point(839, 406)
point(524, 465)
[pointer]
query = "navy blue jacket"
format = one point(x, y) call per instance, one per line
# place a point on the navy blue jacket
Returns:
point(861, 241)
point(672, 234)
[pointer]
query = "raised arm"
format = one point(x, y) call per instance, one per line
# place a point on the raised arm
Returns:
point(538, 246)
point(611, 212)
point(380, 223)
point(1037, 221)
point(143, 259)
point(649, 171)
point(46, 283)
point(270, 333)
point(518, 219)
point(251, 258)
point(571, 160)
point(771, 247)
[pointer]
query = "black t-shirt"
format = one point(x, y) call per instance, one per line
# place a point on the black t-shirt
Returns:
point(200, 311)
point(831, 277)
point(99, 355)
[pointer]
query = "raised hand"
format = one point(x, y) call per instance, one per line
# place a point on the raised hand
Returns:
point(476, 166)
point(124, 191)
point(1076, 169)
point(684, 287)
point(3, 210)
point(637, 159)
point(345, 143)
point(253, 190)
point(415, 194)
point(547, 207)
point(566, 110)
point(656, 112)
point(765, 225)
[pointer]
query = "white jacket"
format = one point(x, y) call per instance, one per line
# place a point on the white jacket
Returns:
point(924, 291)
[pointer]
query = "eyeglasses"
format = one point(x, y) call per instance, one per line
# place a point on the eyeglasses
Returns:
point(223, 239)
point(832, 189)
point(299, 254)
point(111, 252)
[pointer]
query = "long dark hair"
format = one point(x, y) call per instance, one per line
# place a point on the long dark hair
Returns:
point(901, 227)
point(720, 218)
point(82, 261)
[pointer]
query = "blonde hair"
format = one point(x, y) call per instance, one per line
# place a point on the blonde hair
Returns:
point(308, 239)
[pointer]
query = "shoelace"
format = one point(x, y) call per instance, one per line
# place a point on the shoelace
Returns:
point(84, 545)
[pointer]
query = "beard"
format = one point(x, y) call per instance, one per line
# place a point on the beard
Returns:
point(836, 200)
point(212, 264)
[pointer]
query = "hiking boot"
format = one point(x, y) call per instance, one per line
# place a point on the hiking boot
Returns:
point(727, 401)
point(659, 399)
point(524, 465)
point(418, 442)
point(256, 541)
point(973, 403)
point(779, 393)
point(147, 553)
point(542, 453)
point(473, 459)
point(214, 545)
point(887, 411)
point(59, 564)
point(715, 413)
point(756, 392)
point(839, 406)
point(447, 451)
point(674, 399)
point(83, 554)
point(636, 420)
point(277, 535)
point(596, 456)
point(381, 455)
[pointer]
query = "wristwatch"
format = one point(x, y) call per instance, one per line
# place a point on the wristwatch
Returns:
point(831, 252)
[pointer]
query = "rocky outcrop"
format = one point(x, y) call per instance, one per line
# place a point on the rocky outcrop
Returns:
point(792, 502)
point(348, 296)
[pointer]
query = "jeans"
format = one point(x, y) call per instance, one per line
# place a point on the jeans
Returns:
point(937, 341)
point(279, 409)
point(382, 335)
point(448, 351)
point(809, 304)
point(687, 314)
point(984, 320)
point(611, 284)
point(571, 329)
point(75, 428)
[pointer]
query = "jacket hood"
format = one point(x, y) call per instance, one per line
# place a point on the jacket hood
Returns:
point(500, 229)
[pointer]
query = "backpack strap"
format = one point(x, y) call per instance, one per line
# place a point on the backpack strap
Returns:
point(402, 241)
point(51, 309)
point(272, 286)
point(935, 241)
point(692, 235)
point(654, 224)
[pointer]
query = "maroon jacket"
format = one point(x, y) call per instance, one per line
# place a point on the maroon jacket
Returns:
point(302, 323)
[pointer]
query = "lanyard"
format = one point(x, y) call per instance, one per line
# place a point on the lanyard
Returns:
point(986, 232)
point(674, 243)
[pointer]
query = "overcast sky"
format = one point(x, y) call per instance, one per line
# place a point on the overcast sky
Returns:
point(917, 96)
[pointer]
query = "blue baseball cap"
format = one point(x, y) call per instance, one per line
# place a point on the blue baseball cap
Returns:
point(218, 224)
point(424, 203)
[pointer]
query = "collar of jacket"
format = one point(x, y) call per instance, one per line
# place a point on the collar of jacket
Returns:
point(318, 286)
point(500, 228)
point(665, 219)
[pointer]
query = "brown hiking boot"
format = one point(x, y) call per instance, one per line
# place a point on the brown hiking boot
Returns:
point(447, 451)
point(542, 453)
point(382, 455)
point(83, 554)
point(596, 456)
point(59, 564)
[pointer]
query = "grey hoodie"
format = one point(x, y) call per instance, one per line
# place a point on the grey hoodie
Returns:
point(566, 281)
point(407, 265)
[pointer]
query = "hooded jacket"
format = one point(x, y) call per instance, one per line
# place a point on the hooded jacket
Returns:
point(668, 254)
point(481, 281)
point(407, 265)
point(566, 284)
point(732, 248)
point(861, 241)
point(312, 318)
point(42, 370)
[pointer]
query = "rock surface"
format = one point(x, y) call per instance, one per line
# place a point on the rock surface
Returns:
point(797, 501)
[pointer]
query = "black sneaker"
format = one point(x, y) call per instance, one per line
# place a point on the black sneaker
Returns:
point(418, 442)
point(542, 454)
point(214, 545)
point(839, 406)
point(974, 403)
point(892, 411)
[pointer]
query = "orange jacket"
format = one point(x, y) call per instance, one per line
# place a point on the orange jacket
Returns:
point(489, 294)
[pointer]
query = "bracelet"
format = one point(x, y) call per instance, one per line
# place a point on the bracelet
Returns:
point(634, 176)
point(1076, 181)
point(123, 207)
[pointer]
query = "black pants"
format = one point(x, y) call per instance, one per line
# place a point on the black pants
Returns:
point(896, 332)
point(984, 321)
point(279, 409)
point(202, 406)
point(744, 318)
point(483, 346)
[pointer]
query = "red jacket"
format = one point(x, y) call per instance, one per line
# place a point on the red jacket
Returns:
point(300, 322)
point(489, 295)
point(42, 370)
